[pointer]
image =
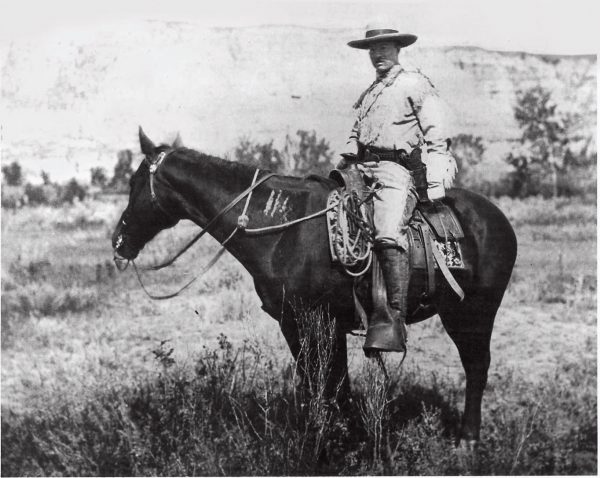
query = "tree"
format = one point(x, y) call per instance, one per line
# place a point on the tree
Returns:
point(73, 190)
point(13, 174)
point(98, 177)
point(308, 154)
point(536, 115)
point(46, 178)
point(468, 151)
point(543, 142)
point(123, 170)
point(259, 155)
point(302, 155)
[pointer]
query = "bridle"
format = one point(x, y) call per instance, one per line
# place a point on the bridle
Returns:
point(242, 223)
point(152, 168)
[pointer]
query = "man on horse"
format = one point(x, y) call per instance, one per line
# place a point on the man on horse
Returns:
point(401, 145)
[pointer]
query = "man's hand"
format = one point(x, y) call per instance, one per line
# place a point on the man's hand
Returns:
point(367, 168)
point(436, 190)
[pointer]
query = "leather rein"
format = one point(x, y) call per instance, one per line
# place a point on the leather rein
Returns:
point(242, 222)
point(242, 219)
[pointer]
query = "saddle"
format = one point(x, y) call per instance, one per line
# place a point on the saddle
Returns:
point(435, 239)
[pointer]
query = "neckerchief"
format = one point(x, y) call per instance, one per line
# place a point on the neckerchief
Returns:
point(386, 81)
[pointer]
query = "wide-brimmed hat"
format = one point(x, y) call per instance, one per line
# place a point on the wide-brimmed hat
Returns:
point(377, 32)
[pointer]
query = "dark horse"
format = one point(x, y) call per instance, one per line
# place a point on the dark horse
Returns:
point(294, 262)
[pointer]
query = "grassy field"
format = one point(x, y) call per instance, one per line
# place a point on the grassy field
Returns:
point(99, 380)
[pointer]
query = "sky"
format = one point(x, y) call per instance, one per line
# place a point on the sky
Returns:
point(551, 26)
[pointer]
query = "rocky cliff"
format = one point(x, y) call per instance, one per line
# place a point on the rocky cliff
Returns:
point(71, 100)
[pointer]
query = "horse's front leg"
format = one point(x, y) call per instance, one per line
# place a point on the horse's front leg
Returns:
point(339, 382)
point(320, 351)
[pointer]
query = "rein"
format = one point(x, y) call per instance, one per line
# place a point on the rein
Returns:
point(241, 219)
point(241, 225)
point(206, 268)
point(242, 222)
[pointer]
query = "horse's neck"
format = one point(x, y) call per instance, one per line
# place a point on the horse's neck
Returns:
point(208, 186)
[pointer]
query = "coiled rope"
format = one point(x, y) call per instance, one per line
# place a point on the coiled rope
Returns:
point(353, 232)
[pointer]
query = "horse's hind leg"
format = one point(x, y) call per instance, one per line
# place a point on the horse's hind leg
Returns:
point(470, 324)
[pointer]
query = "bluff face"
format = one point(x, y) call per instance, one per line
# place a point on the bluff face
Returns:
point(71, 101)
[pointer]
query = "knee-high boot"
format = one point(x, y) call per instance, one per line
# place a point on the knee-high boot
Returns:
point(385, 333)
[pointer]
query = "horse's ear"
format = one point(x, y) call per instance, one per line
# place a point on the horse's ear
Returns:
point(178, 143)
point(146, 144)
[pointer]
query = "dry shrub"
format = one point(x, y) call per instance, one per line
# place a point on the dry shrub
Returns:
point(40, 288)
point(543, 428)
point(237, 413)
point(40, 300)
point(374, 409)
point(46, 300)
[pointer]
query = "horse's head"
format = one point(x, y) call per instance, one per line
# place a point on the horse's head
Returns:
point(144, 216)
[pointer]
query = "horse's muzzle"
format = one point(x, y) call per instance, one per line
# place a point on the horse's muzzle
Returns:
point(120, 261)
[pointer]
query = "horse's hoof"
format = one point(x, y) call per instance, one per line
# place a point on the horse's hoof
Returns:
point(466, 454)
point(466, 445)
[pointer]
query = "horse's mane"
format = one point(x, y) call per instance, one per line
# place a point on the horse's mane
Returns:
point(235, 170)
point(223, 164)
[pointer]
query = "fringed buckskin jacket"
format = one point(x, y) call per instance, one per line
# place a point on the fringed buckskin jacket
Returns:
point(402, 110)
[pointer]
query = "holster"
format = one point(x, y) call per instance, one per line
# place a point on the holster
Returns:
point(420, 179)
point(418, 171)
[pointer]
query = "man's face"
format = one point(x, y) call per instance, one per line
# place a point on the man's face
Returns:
point(384, 55)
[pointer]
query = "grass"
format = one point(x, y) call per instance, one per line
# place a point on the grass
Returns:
point(236, 413)
point(98, 380)
point(537, 211)
point(51, 287)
